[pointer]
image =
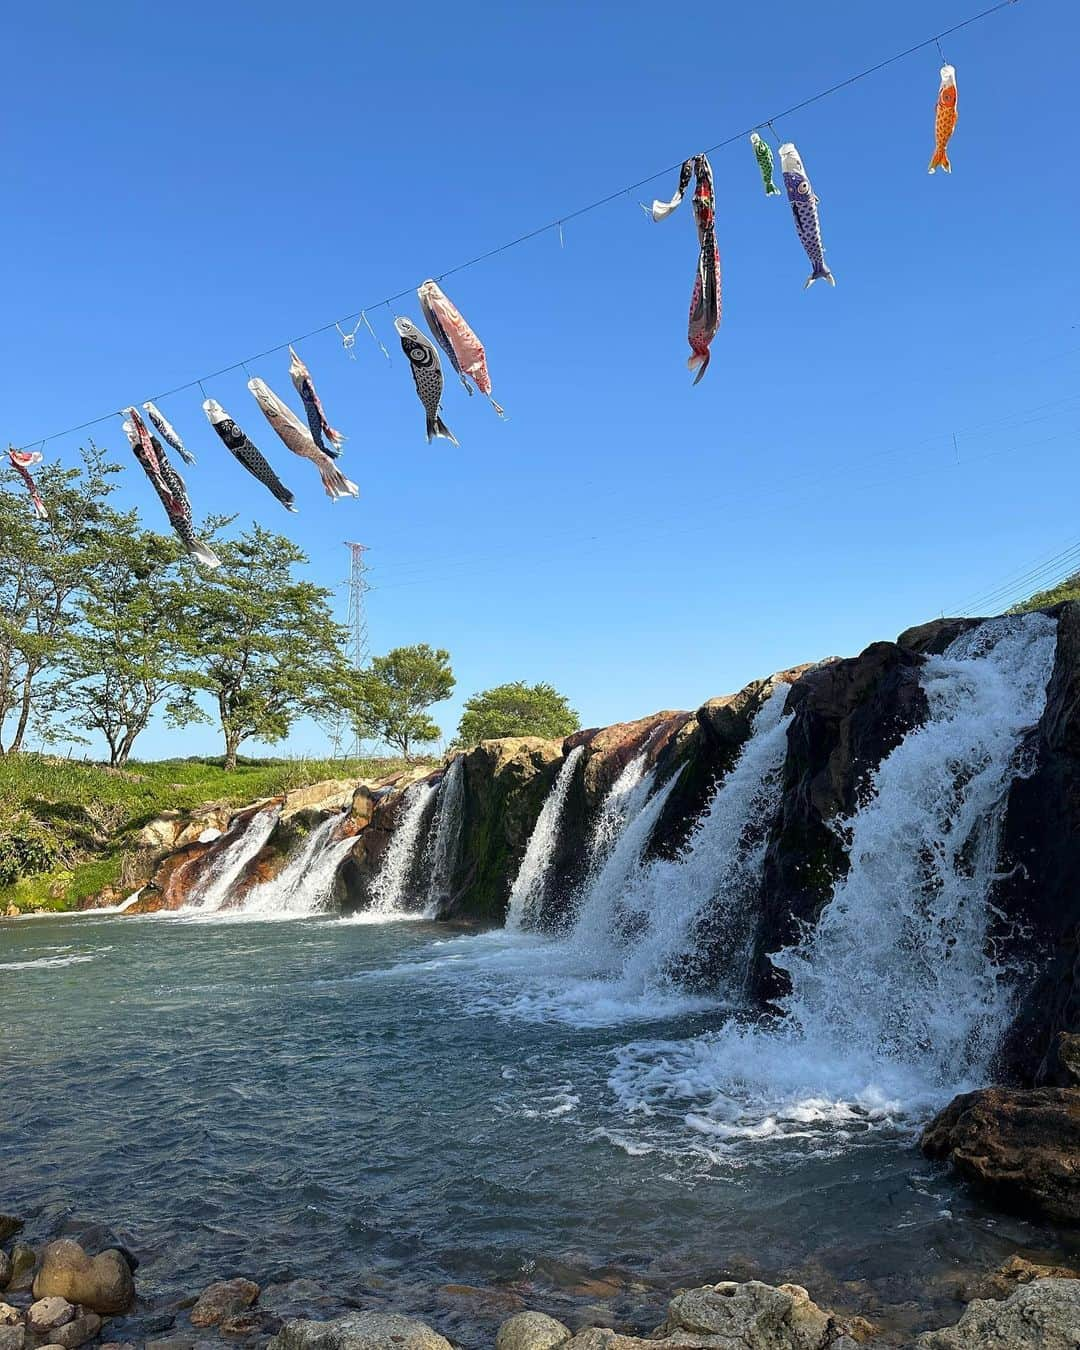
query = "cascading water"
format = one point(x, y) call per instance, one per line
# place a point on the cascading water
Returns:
point(641, 925)
point(628, 795)
point(233, 856)
point(897, 998)
point(447, 837)
point(304, 884)
point(527, 892)
point(389, 885)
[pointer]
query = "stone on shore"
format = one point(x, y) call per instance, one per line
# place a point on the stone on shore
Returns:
point(1020, 1146)
point(9, 1316)
point(531, 1331)
point(222, 1300)
point(78, 1332)
point(13, 1338)
point(102, 1283)
point(23, 1261)
point(49, 1313)
point(1044, 1315)
point(360, 1331)
point(5, 1269)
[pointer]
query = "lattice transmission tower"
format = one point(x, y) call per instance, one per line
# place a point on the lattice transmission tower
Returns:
point(358, 589)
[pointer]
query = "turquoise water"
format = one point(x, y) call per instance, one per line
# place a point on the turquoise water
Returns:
point(437, 1122)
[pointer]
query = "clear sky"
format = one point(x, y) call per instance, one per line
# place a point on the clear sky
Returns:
point(190, 184)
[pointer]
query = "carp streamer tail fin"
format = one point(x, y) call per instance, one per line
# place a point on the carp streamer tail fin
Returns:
point(203, 553)
point(335, 482)
point(940, 160)
point(437, 427)
point(821, 273)
point(699, 359)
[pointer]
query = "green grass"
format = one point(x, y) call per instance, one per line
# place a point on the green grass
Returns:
point(67, 826)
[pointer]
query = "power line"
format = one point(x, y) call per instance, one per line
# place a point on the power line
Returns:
point(552, 224)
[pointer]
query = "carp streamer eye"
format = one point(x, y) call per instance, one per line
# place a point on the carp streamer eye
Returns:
point(804, 188)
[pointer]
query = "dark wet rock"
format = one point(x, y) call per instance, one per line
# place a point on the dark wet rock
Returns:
point(253, 1322)
point(1067, 1053)
point(531, 1331)
point(222, 1300)
point(102, 1283)
point(1020, 1147)
point(5, 1269)
point(141, 1326)
point(1038, 895)
point(846, 717)
point(1044, 1315)
point(9, 1226)
point(98, 1237)
point(931, 639)
point(23, 1265)
point(360, 1331)
point(297, 1299)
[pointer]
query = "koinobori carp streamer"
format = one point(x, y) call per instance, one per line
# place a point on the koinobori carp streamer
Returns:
point(427, 376)
point(296, 437)
point(705, 301)
point(169, 487)
point(168, 432)
point(804, 209)
point(763, 155)
point(323, 434)
point(945, 115)
point(463, 348)
point(246, 452)
point(22, 461)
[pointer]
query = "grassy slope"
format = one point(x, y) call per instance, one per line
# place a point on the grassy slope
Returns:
point(81, 819)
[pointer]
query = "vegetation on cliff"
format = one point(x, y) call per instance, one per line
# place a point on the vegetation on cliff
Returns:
point(516, 709)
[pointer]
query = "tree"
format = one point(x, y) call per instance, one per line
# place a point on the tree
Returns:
point(43, 566)
point(389, 700)
point(127, 656)
point(260, 642)
point(516, 709)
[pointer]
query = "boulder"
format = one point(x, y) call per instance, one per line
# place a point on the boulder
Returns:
point(12, 1337)
point(9, 1316)
point(531, 1331)
point(102, 1283)
point(931, 639)
point(360, 1331)
point(751, 1314)
point(223, 1300)
point(1068, 1058)
point(1019, 1146)
point(23, 1262)
point(9, 1226)
point(1017, 1270)
point(47, 1314)
point(1044, 1315)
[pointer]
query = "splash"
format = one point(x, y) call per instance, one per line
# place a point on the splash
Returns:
point(527, 892)
point(627, 796)
point(388, 889)
point(305, 884)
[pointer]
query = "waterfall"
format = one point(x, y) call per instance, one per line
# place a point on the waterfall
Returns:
point(527, 892)
point(304, 884)
point(627, 796)
point(644, 925)
point(447, 837)
point(899, 997)
point(233, 855)
point(900, 960)
point(388, 886)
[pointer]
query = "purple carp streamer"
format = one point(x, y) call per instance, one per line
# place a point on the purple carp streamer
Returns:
point(804, 209)
point(297, 438)
point(22, 461)
point(316, 418)
point(463, 348)
point(246, 452)
point(169, 487)
point(168, 432)
point(705, 301)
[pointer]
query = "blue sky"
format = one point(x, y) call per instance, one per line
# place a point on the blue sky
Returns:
point(190, 185)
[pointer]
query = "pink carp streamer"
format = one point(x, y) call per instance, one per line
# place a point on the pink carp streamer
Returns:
point(297, 438)
point(705, 302)
point(463, 348)
point(316, 418)
point(22, 461)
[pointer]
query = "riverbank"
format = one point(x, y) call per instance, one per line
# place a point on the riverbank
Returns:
point(73, 1292)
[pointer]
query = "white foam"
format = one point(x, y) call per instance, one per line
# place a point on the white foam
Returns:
point(527, 892)
point(388, 889)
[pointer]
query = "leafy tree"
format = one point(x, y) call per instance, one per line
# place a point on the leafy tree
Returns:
point(43, 566)
point(127, 657)
point(516, 709)
point(389, 700)
point(262, 643)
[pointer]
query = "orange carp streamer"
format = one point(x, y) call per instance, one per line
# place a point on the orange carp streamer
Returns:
point(944, 120)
